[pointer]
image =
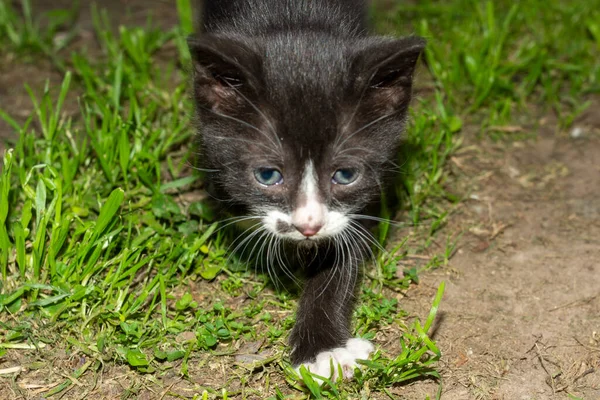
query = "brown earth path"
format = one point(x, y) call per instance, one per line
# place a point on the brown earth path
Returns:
point(521, 315)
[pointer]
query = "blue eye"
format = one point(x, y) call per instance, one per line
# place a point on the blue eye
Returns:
point(268, 176)
point(345, 176)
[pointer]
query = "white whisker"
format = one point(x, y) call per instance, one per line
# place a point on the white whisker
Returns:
point(384, 220)
point(244, 240)
point(363, 232)
point(262, 114)
point(350, 278)
point(338, 146)
point(282, 264)
point(234, 220)
point(272, 274)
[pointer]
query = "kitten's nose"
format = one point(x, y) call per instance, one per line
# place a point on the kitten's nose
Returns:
point(308, 230)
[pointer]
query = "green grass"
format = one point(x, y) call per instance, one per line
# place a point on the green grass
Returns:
point(499, 57)
point(495, 60)
point(108, 249)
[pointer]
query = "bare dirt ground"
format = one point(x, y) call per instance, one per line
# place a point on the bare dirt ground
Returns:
point(521, 315)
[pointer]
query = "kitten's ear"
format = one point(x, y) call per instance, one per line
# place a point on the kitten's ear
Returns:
point(384, 69)
point(223, 68)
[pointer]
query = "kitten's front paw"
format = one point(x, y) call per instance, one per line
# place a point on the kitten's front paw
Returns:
point(355, 349)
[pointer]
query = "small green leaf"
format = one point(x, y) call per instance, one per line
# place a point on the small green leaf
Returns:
point(159, 354)
point(15, 306)
point(184, 302)
point(100, 343)
point(188, 227)
point(136, 358)
point(26, 214)
point(49, 300)
point(223, 333)
point(412, 274)
point(454, 124)
point(434, 307)
point(5, 300)
point(5, 185)
point(124, 151)
point(164, 206)
point(109, 209)
point(40, 198)
point(207, 338)
point(175, 355)
point(209, 271)
point(309, 381)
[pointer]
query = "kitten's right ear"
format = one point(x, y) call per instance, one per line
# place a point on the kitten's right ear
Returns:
point(223, 68)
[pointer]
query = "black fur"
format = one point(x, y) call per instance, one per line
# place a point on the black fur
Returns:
point(283, 82)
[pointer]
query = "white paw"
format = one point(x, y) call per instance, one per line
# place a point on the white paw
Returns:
point(344, 357)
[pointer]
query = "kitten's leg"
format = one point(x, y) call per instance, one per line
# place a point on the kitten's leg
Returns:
point(322, 331)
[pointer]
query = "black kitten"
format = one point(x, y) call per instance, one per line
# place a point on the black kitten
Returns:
point(300, 113)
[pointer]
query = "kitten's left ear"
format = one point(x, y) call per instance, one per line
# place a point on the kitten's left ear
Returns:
point(384, 68)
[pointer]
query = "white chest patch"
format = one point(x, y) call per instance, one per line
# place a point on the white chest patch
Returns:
point(343, 358)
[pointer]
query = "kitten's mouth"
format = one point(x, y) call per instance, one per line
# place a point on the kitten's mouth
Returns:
point(308, 242)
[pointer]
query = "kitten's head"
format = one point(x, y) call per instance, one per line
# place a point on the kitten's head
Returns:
point(300, 128)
